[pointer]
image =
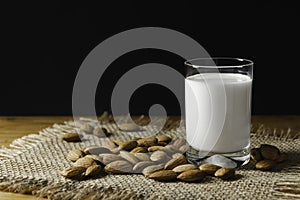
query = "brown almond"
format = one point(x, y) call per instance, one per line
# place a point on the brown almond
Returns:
point(147, 142)
point(225, 173)
point(129, 145)
point(155, 148)
point(174, 162)
point(85, 162)
point(118, 167)
point(152, 168)
point(269, 152)
point(140, 166)
point(193, 175)
point(163, 175)
point(159, 156)
point(163, 138)
point(93, 170)
point(87, 128)
point(129, 157)
point(72, 137)
point(162, 143)
point(96, 150)
point(255, 154)
point(96, 158)
point(73, 172)
point(265, 165)
point(129, 127)
point(139, 150)
point(185, 167)
point(209, 168)
point(74, 155)
point(109, 157)
point(282, 157)
point(109, 144)
point(142, 156)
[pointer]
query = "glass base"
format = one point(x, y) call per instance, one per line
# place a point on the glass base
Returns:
point(230, 160)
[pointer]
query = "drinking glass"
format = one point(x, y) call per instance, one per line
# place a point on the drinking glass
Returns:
point(218, 110)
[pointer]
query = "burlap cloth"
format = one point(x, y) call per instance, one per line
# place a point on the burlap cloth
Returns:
point(34, 162)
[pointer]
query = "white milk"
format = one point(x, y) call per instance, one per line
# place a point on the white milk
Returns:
point(212, 100)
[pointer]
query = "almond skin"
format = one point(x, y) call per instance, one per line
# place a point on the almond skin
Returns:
point(265, 165)
point(155, 148)
point(269, 152)
point(163, 138)
point(72, 137)
point(163, 175)
point(96, 150)
point(185, 167)
point(129, 145)
point(129, 157)
point(119, 167)
point(108, 158)
point(147, 142)
point(255, 154)
point(139, 150)
point(85, 162)
point(152, 168)
point(159, 156)
point(193, 175)
point(73, 172)
point(93, 170)
point(282, 157)
point(174, 162)
point(142, 156)
point(140, 166)
point(129, 127)
point(225, 173)
point(209, 168)
point(75, 154)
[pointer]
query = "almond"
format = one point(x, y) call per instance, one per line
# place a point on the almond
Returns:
point(74, 155)
point(225, 173)
point(163, 138)
point(129, 145)
point(96, 150)
point(108, 158)
point(129, 157)
point(73, 172)
point(265, 165)
point(140, 166)
point(152, 168)
point(185, 167)
point(209, 168)
point(118, 167)
point(159, 156)
point(139, 150)
point(193, 175)
point(179, 142)
point(109, 144)
point(84, 162)
point(93, 170)
point(142, 156)
point(96, 158)
point(255, 154)
point(155, 148)
point(147, 142)
point(174, 162)
point(129, 127)
point(269, 152)
point(72, 137)
point(183, 148)
point(162, 143)
point(163, 175)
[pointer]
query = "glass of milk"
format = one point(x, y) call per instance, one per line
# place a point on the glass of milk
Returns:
point(218, 110)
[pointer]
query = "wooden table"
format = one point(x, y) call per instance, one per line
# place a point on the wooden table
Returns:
point(15, 127)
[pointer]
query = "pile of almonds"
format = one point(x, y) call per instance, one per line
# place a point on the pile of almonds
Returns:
point(267, 156)
point(160, 158)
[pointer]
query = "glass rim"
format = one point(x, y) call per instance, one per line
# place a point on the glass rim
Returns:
point(239, 62)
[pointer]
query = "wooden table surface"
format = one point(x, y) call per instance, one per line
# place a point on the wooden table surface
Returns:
point(15, 127)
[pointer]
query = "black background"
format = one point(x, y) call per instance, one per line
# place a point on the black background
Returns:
point(44, 43)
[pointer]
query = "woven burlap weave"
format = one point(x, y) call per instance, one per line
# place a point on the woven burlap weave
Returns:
point(33, 165)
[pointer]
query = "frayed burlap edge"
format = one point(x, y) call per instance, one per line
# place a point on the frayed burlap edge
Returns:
point(289, 188)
